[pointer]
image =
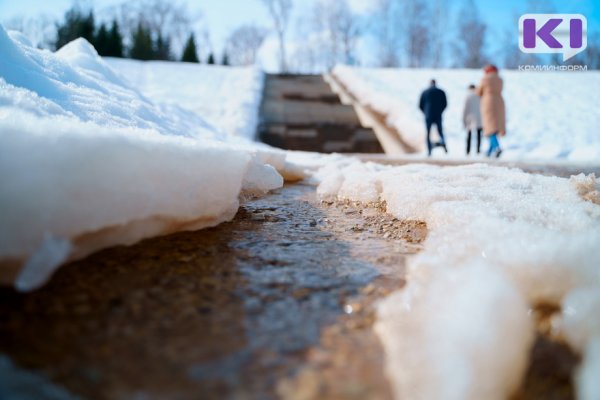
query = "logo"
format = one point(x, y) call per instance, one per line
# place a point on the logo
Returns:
point(553, 33)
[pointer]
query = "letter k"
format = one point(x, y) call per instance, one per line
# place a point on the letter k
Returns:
point(545, 33)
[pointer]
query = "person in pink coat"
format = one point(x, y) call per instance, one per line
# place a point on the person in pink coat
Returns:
point(492, 108)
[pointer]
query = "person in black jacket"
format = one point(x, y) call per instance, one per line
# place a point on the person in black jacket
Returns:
point(433, 103)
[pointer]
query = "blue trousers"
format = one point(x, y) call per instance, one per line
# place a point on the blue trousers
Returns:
point(494, 144)
point(429, 122)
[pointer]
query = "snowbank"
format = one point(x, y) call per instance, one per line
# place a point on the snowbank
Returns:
point(227, 97)
point(550, 115)
point(87, 162)
point(500, 241)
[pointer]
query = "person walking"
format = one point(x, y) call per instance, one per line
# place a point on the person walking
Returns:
point(472, 118)
point(492, 108)
point(433, 103)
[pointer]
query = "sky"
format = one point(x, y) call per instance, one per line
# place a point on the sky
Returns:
point(221, 17)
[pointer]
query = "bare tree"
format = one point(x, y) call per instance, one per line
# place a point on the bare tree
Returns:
point(510, 52)
point(439, 26)
point(417, 32)
point(243, 44)
point(336, 30)
point(387, 25)
point(402, 28)
point(470, 42)
point(306, 55)
point(349, 30)
point(280, 12)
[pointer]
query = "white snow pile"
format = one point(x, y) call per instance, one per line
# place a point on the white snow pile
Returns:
point(500, 242)
point(550, 115)
point(227, 97)
point(87, 162)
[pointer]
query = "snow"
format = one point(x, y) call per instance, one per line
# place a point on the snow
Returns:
point(500, 242)
point(550, 115)
point(473, 344)
point(580, 324)
point(91, 158)
point(588, 384)
point(227, 97)
point(88, 162)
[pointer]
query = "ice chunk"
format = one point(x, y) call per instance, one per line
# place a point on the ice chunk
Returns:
point(456, 333)
point(522, 239)
point(87, 162)
point(260, 179)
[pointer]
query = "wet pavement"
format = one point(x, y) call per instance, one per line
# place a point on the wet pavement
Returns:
point(277, 303)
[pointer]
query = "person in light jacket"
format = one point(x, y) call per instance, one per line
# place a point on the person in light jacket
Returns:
point(472, 118)
point(492, 108)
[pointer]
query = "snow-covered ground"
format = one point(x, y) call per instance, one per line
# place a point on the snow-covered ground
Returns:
point(227, 97)
point(550, 115)
point(90, 157)
point(500, 242)
point(86, 161)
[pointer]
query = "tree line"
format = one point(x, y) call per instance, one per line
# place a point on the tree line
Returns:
point(407, 33)
point(319, 35)
point(145, 42)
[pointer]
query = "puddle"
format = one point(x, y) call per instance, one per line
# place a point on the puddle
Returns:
point(244, 310)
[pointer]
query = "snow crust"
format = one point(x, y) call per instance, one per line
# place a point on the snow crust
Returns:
point(500, 242)
point(550, 115)
point(87, 162)
point(227, 97)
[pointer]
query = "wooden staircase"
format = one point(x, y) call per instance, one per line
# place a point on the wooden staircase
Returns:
point(301, 112)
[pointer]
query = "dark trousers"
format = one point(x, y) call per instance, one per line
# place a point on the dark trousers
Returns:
point(429, 122)
point(478, 140)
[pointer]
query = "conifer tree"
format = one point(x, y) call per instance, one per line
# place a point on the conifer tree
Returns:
point(75, 25)
point(162, 48)
point(115, 41)
point(211, 59)
point(225, 60)
point(189, 52)
point(142, 47)
point(101, 41)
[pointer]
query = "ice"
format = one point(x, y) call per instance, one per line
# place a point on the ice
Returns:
point(499, 241)
point(87, 162)
point(436, 351)
point(550, 115)
point(261, 178)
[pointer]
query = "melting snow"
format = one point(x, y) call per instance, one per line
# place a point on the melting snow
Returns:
point(88, 162)
point(500, 241)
